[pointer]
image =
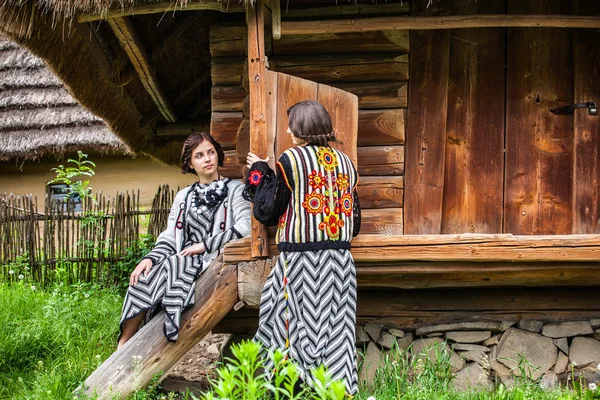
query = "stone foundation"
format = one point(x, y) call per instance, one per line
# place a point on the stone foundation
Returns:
point(483, 354)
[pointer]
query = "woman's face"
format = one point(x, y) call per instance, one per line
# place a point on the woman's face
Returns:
point(205, 161)
point(297, 141)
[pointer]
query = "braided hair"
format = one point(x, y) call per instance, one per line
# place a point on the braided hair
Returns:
point(310, 121)
point(190, 144)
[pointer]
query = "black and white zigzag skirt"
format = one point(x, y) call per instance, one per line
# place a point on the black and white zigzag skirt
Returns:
point(170, 285)
point(308, 307)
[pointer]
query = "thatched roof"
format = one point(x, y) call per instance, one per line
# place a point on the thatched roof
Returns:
point(39, 117)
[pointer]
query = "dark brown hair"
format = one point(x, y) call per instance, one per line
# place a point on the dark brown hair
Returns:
point(191, 143)
point(310, 121)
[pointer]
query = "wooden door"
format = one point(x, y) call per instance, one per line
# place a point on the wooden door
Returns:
point(283, 91)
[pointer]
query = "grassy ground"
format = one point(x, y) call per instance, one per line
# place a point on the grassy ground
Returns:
point(51, 340)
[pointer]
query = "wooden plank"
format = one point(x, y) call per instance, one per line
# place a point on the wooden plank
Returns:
point(343, 43)
point(387, 221)
point(251, 278)
point(232, 167)
point(181, 128)
point(227, 98)
point(276, 19)
point(378, 95)
point(474, 169)
point(225, 71)
point(291, 90)
point(258, 106)
point(339, 68)
point(337, 10)
point(380, 160)
point(381, 127)
point(425, 149)
point(224, 127)
point(228, 40)
point(419, 275)
point(380, 192)
point(377, 248)
point(539, 144)
point(343, 110)
point(162, 7)
point(216, 293)
point(272, 104)
point(437, 23)
point(586, 171)
point(242, 146)
point(134, 48)
point(398, 303)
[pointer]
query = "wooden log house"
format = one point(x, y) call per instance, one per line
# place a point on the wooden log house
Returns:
point(479, 203)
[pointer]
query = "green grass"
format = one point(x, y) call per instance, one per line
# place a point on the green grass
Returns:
point(51, 340)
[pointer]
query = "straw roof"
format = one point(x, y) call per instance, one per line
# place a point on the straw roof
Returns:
point(37, 114)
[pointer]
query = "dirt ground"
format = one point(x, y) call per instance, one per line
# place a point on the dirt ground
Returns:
point(200, 363)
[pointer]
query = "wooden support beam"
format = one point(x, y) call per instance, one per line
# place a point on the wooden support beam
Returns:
point(276, 19)
point(258, 110)
point(163, 7)
point(353, 9)
point(464, 247)
point(216, 294)
point(131, 43)
point(449, 22)
point(182, 128)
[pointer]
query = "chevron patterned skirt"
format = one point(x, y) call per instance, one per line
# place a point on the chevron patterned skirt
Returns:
point(308, 307)
point(170, 285)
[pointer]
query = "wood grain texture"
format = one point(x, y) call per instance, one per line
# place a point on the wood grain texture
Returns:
point(340, 26)
point(378, 95)
point(381, 160)
point(539, 145)
point(426, 132)
point(344, 68)
point(227, 98)
point(474, 159)
point(381, 127)
point(380, 191)
point(377, 248)
point(126, 33)
point(229, 40)
point(225, 71)
point(216, 293)
point(224, 127)
point(256, 67)
point(586, 169)
point(251, 278)
point(380, 41)
point(343, 110)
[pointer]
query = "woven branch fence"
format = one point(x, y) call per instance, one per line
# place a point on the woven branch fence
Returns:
point(86, 245)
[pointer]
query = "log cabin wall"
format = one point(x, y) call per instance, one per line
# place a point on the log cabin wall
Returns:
point(483, 152)
point(372, 65)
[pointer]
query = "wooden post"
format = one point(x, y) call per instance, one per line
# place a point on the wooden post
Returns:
point(258, 111)
point(149, 353)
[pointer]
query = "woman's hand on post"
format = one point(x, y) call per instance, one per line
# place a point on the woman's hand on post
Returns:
point(143, 267)
point(197, 248)
point(252, 158)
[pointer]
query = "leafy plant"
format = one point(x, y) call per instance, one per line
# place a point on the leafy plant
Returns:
point(71, 176)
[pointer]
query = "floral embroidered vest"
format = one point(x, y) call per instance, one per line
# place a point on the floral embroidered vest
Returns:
point(322, 181)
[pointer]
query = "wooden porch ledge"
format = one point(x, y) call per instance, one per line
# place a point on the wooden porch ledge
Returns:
point(376, 249)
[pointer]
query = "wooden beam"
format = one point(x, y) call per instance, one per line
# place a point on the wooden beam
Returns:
point(347, 9)
point(276, 19)
point(131, 43)
point(450, 22)
point(216, 294)
point(464, 247)
point(163, 7)
point(182, 128)
point(258, 110)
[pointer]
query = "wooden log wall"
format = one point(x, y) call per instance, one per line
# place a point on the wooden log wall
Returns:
point(373, 66)
point(484, 154)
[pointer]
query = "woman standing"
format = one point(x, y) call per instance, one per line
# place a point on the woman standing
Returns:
point(308, 304)
point(204, 217)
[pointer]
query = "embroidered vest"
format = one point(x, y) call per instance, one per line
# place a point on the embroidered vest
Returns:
point(322, 181)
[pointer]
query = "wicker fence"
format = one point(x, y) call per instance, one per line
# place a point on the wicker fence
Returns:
point(85, 245)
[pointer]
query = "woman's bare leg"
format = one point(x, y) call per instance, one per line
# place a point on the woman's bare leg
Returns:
point(130, 327)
